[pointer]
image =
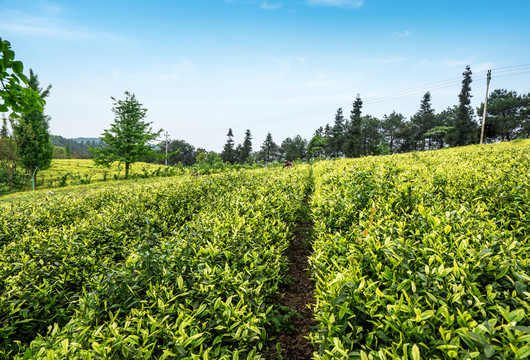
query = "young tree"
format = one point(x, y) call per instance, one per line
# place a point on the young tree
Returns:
point(35, 150)
point(14, 97)
point(128, 139)
point(353, 143)
point(229, 154)
point(464, 127)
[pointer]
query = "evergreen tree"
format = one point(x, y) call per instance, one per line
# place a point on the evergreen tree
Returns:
point(269, 149)
point(34, 146)
point(228, 154)
point(336, 140)
point(353, 143)
point(423, 121)
point(128, 139)
point(464, 127)
point(246, 149)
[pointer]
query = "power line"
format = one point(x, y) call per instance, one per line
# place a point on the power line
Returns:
point(418, 90)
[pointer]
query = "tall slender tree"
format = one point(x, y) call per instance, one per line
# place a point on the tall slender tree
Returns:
point(336, 140)
point(464, 127)
point(423, 121)
point(353, 143)
point(34, 146)
point(229, 154)
point(246, 149)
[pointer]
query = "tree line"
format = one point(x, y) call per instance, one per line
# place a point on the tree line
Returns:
point(356, 135)
point(25, 141)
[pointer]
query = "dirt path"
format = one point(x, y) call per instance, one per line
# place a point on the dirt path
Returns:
point(297, 295)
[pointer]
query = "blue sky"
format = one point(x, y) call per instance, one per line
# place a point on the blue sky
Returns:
point(284, 66)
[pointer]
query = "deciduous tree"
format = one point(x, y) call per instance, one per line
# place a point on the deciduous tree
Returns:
point(129, 138)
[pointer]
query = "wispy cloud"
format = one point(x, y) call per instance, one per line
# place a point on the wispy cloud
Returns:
point(49, 25)
point(265, 5)
point(402, 34)
point(343, 4)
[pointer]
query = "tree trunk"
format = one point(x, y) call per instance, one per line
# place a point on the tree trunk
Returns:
point(127, 170)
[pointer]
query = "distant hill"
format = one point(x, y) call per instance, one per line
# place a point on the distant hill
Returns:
point(78, 146)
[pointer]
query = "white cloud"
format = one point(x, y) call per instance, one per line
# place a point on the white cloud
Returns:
point(265, 5)
point(343, 4)
point(48, 26)
point(402, 34)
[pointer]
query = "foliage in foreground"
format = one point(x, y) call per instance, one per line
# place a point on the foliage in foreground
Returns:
point(177, 269)
point(424, 255)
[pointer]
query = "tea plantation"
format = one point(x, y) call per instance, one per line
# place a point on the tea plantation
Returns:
point(415, 256)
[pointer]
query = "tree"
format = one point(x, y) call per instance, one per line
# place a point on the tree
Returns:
point(229, 154)
point(13, 96)
point(67, 151)
point(180, 151)
point(128, 139)
point(35, 150)
point(269, 149)
point(8, 152)
point(505, 115)
point(245, 150)
point(464, 127)
point(370, 128)
point(390, 127)
point(353, 142)
point(423, 121)
point(295, 148)
point(336, 140)
point(316, 148)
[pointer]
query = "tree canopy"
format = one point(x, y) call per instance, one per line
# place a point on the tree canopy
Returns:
point(14, 97)
point(129, 137)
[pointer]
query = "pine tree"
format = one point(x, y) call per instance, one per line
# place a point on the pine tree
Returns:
point(269, 148)
point(353, 144)
point(34, 146)
point(246, 148)
point(228, 154)
point(336, 141)
point(464, 127)
point(423, 121)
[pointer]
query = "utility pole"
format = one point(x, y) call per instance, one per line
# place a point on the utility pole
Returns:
point(485, 107)
point(167, 141)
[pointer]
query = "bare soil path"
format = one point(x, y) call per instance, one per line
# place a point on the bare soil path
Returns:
point(298, 296)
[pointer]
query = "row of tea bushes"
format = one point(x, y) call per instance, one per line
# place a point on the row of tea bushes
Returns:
point(424, 255)
point(188, 279)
